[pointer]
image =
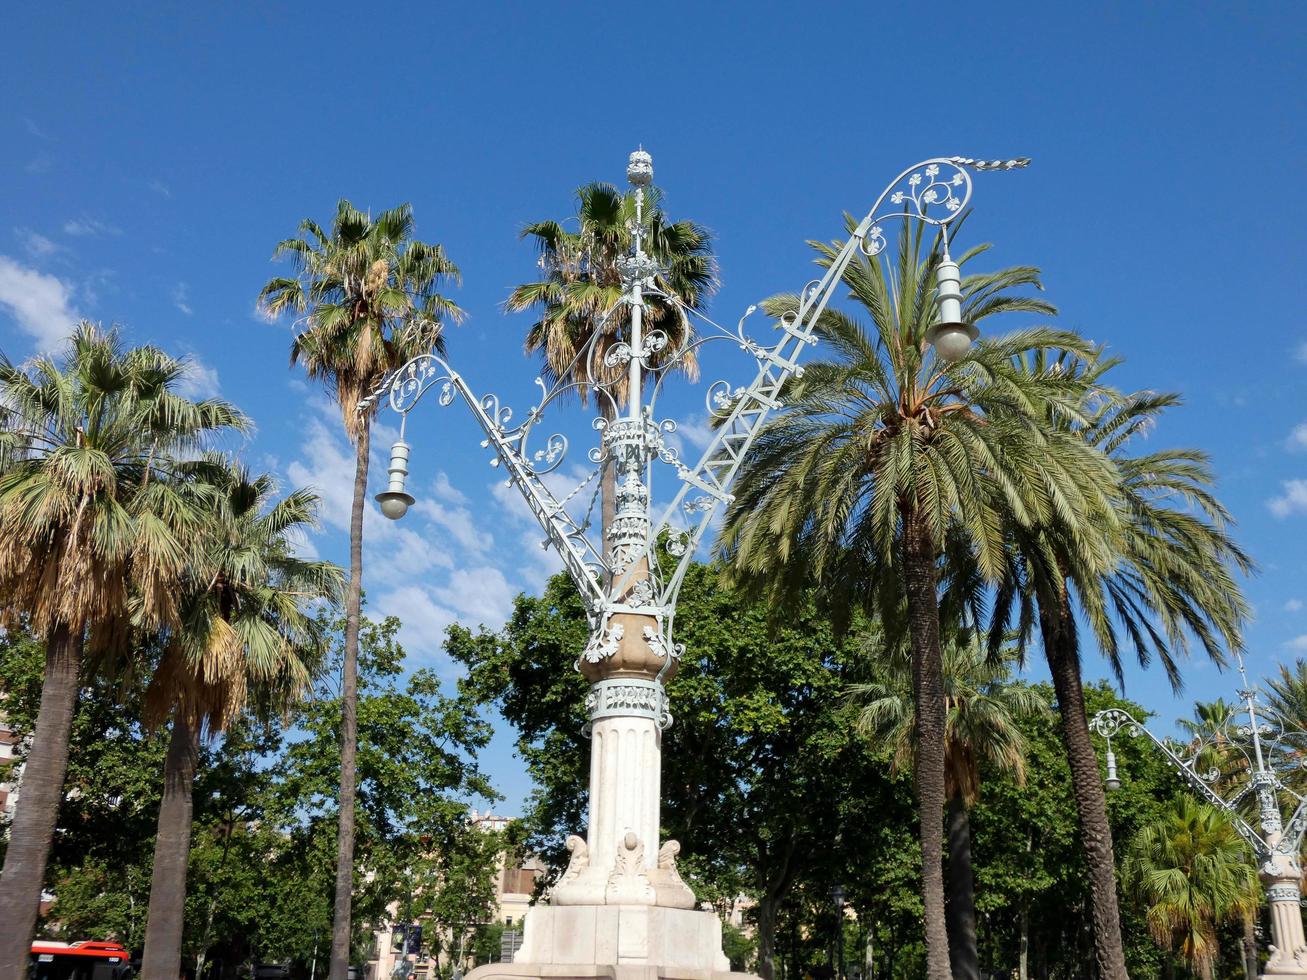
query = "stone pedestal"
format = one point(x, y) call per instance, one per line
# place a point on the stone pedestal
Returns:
point(1288, 947)
point(621, 911)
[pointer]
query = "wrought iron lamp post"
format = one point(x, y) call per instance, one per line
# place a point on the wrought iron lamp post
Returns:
point(1265, 750)
point(621, 901)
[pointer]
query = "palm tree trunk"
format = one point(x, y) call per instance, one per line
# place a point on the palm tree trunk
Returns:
point(32, 830)
point(172, 849)
point(928, 694)
point(1058, 629)
point(961, 909)
point(1250, 946)
point(340, 925)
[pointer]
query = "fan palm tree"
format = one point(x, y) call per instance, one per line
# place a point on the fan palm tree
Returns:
point(884, 453)
point(577, 299)
point(368, 293)
point(982, 715)
point(93, 534)
point(1192, 872)
point(246, 634)
point(1168, 581)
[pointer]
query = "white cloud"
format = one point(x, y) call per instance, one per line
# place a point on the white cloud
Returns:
point(40, 304)
point(37, 245)
point(1298, 437)
point(85, 226)
point(1292, 501)
point(423, 620)
point(1298, 643)
point(481, 596)
point(160, 188)
point(200, 380)
point(1293, 605)
point(180, 295)
point(1300, 352)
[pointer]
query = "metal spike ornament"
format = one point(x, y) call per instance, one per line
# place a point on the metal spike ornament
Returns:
point(621, 905)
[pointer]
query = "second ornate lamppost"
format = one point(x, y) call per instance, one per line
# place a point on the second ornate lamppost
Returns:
point(1241, 766)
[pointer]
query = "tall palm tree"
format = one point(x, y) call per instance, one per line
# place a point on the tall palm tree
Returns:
point(577, 298)
point(93, 533)
point(982, 715)
point(884, 452)
point(246, 633)
point(1167, 581)
point(368, 294)
point(1192, 872)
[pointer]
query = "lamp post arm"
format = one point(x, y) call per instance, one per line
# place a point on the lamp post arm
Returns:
point(405, 387)
point(1113, 720)
point(935, 192)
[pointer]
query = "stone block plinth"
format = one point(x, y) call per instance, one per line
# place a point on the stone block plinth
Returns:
point(617, 942)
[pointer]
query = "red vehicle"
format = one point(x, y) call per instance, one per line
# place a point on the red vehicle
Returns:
point(79, 961)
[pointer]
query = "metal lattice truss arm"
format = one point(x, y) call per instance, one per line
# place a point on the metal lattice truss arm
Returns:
point(934, 192)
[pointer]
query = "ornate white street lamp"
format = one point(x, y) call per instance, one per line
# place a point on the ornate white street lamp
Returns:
point(621, 902)
point(1265, 751)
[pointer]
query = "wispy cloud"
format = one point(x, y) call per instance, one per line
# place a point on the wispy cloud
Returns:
point(87, 227)
point(36, 244)
point(180, 295)
point(1292, 501)
point(31, 126)
point(1298, 437)
point(1300, 352)
point(1293, 605)
point(1298, 643)
point(200, 380)
point(160, 188)
point(40, 304)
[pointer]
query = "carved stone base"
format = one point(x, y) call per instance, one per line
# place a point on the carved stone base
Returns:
point(617, 942)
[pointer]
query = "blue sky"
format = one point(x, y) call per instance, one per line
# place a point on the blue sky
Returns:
point(152, 155)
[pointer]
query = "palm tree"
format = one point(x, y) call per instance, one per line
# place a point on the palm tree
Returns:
point(1192, 872)
point(577, 298)
point(245, 634)
point(368, 293)
point(883, 453)
point(1287, 697)
point(1167, 579)
point(93, 534)
point(982, 711)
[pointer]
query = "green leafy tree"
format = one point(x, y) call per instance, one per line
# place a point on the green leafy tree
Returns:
point(93, 535)
point(368, 294)
point(981, 729)
point(577, 298)
point(1168, 579)
point(1033, 896)
point(888, 457)
point(417, 767)
point(1192, 871)
point(246, 635)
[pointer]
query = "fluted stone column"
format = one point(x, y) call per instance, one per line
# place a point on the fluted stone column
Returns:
point(1283, 881)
